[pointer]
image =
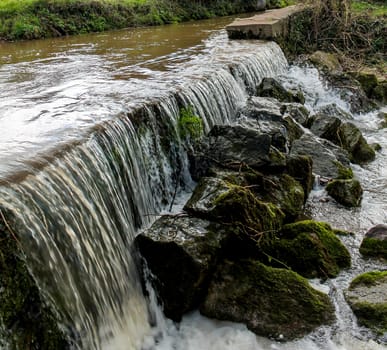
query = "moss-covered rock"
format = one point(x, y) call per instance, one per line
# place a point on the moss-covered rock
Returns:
point(346, 192)
point(300, 168)
point(222, 201)
point(375, 242)
point(308, 247)
point(270, 87)
point(325, 126)
point(297, 111)
point(236, 144)
point(368, 299)
point(272, 302)
point(181, 252)
point(380, 92)
point(325, 61)
point(29, 322)
point(328, 159)
point(367, 80)
point(351, 139)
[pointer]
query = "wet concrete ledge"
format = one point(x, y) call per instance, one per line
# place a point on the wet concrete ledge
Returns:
point(266, 25)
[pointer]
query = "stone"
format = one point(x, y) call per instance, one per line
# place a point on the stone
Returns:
point(351, 91)
point(270, 87)
point(236, 145)
point(266, 116)
point(309, 248)
point(325, 126)
point(334, 110)
point(367, 80)
point(225, 202)
point(367, 298)
point(351, 139)
point(346, 192)
point(300, 168)
point(181, 253)
point(297, 111)
point(374, 243)
point(328, 159)
point(325, 61)
point(275, 303)
point(28, 322)
point(380, 92)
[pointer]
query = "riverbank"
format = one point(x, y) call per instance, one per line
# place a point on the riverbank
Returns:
point(34, 19)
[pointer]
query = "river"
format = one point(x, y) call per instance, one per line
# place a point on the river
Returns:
point(65, 111)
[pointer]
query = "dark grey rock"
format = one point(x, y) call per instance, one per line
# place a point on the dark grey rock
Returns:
point(325, 126)
point(328, 159)
point(265, 299)
point(181, 253)
point(346, 192)
point(334, 110)
point(351, 139)
point(270, 87)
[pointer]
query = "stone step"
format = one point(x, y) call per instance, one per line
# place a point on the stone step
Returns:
point(265, 25)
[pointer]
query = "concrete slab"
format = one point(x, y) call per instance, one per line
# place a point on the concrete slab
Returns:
point(266, 25)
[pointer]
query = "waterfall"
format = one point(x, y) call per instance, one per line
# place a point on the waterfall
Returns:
point(76, 218)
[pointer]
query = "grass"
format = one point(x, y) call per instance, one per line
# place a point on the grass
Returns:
point(372, 9)
point(32, 19)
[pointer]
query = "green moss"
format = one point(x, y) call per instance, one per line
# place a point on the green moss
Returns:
point(344, 173)
point(374, 247)
point(373, 316)
point(190, 125)
point(368, 279)
point(239, 206)
point(346, 192)
point(265, 299)
point(309, 248)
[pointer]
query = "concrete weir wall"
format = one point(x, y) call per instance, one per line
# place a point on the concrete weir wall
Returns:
point(266, 25)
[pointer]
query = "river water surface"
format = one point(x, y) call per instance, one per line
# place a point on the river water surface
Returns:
point(55, 93)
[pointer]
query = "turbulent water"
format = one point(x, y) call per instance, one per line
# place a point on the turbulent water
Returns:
point(93, 151)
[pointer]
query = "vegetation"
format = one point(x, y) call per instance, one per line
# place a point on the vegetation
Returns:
point(368, 279)
point(190, 125)
point(32, 19)
point(349, 28)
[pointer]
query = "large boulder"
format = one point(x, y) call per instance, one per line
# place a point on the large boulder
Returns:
point(351, 139)
point(368, 299)
point(352, 92)
point(280, 189)
point(326, 62)
point(328, 159)
point(270, 87)
point(26, 320)
point(225, 202)
point(308, 247)
point(375, 242)
point(367, 80)
point(267, 115)
point(275, 303)
point(181, 253)
point(237, 144)
point(333, 110)
point(380, 92)
point(297, 111)
point(346, 192)
point(325, 126)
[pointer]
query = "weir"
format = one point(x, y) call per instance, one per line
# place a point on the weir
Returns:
point(76, 217)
